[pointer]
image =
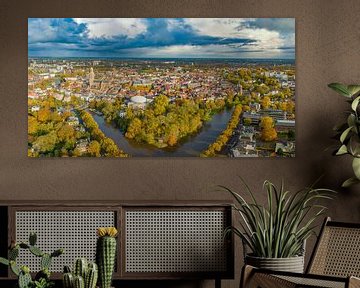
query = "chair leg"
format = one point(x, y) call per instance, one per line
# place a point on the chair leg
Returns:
point(246, 274)
point(250, 278)
point(217, 283)
point(354, 282)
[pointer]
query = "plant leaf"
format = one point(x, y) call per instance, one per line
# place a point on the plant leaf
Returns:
point(356, 167)
point(354, 145)
point(345, 134)
point(353, 89)
point(340, 88)
point(342, 150)
point(4, 261)
point(349, 182)
point(351, 120)
point(355, 103)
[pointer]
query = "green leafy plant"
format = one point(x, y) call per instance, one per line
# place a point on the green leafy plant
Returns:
point(349, 132)
point(42, 278)
point(43, 283)
point(279, 229)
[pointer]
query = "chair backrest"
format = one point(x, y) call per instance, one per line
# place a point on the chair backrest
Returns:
point(337, 251)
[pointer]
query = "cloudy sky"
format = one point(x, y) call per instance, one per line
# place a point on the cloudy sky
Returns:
point(162, 37)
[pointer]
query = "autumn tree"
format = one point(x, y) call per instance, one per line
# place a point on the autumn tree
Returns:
point(43, 115)
point(109, 148)
point(265, 102)
point(160, 104)
point(134, 128)
point(268, 132)
point(66, 133)
point(94, 149)
point(224, 137)
point(32, 125)
point(45, 143)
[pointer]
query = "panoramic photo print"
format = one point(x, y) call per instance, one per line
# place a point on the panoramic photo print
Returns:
point(161, 87)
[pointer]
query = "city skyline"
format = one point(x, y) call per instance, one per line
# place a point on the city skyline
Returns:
point(232, 38)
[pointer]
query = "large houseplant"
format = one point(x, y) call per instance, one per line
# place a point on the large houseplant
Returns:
point(276, 233)
point(349, 132)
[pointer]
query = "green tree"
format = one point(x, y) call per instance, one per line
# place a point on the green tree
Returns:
point(247, 121)
point(291, 135)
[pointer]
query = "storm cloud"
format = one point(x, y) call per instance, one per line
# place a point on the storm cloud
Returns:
point(162, 37)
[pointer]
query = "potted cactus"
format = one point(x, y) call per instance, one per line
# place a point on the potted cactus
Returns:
point(106, 254)
point(85, 275)
point(42, 278)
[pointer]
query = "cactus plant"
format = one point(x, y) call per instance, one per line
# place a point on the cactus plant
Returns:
point(42, 278)
point(79, 282)
point(68, 280)
point(45, 261)
point(84, 274)
point(91, 276)
point(32, 239)
point(106, 254)
point(80, 267)
point(24, 278)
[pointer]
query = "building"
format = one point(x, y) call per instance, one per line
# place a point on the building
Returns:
point(91, 77)
point(35, 108)
point(274, 113)
point(138, 102)
point(247, 133)
point(255, 106)
point(285, 125)
point(254, 117)
point(287, 147)
point(82, 145)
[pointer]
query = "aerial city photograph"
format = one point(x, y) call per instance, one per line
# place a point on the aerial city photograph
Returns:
point(161, 87)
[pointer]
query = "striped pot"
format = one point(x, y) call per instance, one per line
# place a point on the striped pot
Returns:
point(291, 264)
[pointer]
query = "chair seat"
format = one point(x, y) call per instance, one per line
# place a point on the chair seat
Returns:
point(255, 277)
point(335, 262)
point(314, 282)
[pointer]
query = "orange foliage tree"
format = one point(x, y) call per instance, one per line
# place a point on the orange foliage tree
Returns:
point(268, 132)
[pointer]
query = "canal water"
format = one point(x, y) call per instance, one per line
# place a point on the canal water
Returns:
point(190, 146)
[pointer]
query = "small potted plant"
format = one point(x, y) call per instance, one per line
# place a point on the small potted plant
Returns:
point(349, 132)
point(276, 233)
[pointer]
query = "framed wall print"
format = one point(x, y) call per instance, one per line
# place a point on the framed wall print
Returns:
point(173, 87)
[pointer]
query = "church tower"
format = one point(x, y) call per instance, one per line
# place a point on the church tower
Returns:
point(91, 77)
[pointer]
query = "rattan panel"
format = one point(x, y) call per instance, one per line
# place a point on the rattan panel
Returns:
point(75, 231)
point(338, 253)
point(175, 241)
point(312, 282)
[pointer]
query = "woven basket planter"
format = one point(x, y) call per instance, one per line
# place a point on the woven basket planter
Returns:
point(291, 264)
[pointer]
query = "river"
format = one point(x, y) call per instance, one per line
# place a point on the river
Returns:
point(190, 146)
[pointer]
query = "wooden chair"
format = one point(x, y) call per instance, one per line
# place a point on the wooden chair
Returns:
point(335, 262)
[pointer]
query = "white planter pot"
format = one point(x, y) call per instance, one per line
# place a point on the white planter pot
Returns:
point(291, 264)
